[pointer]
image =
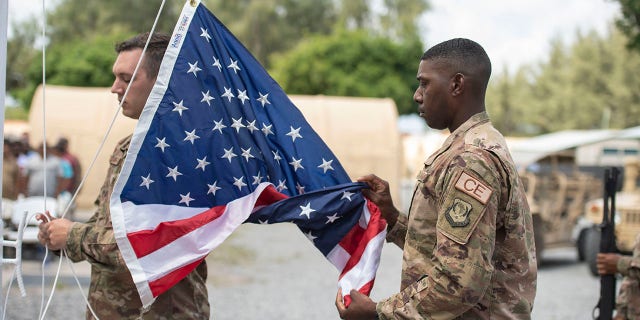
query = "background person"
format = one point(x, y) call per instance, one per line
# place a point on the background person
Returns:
point(628, 300)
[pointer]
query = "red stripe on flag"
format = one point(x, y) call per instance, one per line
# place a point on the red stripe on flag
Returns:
point(145, 242)
point(357, 239)
point(165, 283)
point(365, 289)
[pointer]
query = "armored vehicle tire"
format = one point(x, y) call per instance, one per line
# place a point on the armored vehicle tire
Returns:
point(538, 236)
point(591, 248)
point(580, 245)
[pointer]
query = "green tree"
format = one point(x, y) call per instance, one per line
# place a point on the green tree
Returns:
point(629, 22)
point(71, 20)
point(575, 88)
point(351, 64)
point(268, 27)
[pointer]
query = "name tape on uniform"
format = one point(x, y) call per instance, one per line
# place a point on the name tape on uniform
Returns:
point(474, 187)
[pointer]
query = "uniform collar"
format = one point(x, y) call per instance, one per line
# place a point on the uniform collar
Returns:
point(475, 120)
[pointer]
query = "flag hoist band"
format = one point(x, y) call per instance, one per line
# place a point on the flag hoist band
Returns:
point(219, 144)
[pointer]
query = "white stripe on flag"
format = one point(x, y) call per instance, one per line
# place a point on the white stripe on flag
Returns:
point(365, 270)
point(149, 216)
point(198, 243)
point(338, 256)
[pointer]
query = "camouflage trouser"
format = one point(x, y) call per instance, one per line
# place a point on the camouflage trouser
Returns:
point(628, 301)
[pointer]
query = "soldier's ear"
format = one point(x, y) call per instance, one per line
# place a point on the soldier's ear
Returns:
point(457, 84)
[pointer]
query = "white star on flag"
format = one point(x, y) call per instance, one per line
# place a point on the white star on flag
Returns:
point(227, 94)
point(332, 218)
point(173, 173)
point(179, 107)
point(266, 129)
point(146, 181)
point(205, 34)
point(193, 68)
point(237, 124)
point(246, 153)
point(234, 66)
point(294, 133)
point(242, 95)
point(228, 154)
point(202, 163)
point(326, 165)
point(239, 183)
point(310, 236)
point(263, 99)
point(347, 195)
point(213, 188)
point(186, 198)
point(218, 126)
point(296, 163)
point(191, 136)
point(162, 144)
point(306, 210)
point(217, 64)
point(206, 97)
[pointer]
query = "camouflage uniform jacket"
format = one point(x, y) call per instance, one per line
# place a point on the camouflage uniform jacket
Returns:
point(468, 241)
point(112, 293)
point(628, 301)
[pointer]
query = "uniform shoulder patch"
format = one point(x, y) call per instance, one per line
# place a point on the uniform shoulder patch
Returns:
point(473, 187)
point(458, 213)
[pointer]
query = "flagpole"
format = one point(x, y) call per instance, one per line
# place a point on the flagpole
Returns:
point(4, 17)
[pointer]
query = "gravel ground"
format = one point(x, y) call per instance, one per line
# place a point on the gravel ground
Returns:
point(274, 273)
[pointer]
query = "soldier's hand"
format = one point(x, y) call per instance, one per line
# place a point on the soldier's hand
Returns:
point(43, 235)
point(607, 263)
point(361, 307)
point(54, 233)
point(380, 195)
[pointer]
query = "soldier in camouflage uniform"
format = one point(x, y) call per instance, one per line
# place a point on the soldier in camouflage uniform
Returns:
point(468, 238)
point(628, 301)
point(112, 293)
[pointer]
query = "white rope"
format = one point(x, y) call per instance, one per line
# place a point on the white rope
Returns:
point(44, 140)
point(64, 255)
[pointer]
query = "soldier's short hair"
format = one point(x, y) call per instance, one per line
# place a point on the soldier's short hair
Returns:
point(462, 55)
point(155, 50)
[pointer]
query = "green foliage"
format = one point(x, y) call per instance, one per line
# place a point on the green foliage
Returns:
point(81, 35)
point(629, 22)
point(576, 88)
point(351, 64)
point(78, 63)
point(71, 20)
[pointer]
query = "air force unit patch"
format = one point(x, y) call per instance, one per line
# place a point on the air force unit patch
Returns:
point(458, 213)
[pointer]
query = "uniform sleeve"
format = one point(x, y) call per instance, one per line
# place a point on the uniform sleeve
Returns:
point(630, 266)
point(398, 231)
point(463, 253)
point(96, 244)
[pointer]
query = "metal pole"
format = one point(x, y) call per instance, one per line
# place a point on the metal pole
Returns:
point(4, 19)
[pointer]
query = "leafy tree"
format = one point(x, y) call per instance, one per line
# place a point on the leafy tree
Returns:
point(351, 64)
point(80, 19)
point(78, 63)
point(573, 89)
point(629, 23)
point(268, 27)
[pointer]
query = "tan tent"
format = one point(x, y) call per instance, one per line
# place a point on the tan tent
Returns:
point(361, 132)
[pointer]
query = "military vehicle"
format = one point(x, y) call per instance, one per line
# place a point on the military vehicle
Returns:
point(556, 193)
point(627, 218)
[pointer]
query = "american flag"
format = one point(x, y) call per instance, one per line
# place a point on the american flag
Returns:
point(218, 144)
